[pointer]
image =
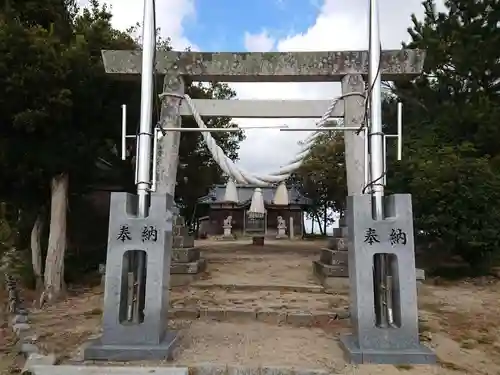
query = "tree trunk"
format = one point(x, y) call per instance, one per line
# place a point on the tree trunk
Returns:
point(36, 251)
point(325, 220)
point(316, 216)
point(312, 224)
point(54, 263)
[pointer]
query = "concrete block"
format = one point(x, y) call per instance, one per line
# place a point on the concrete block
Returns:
point(185, 255)
point(190, 268)
point(36, 359)
point(27, 349)
point(299, 319)
point(19, 319)
point(20, 328)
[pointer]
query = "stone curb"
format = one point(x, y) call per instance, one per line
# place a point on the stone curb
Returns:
point(213, 369)
point(296, 319)
point(197, 369)
point(265, 287)
point(19, 323)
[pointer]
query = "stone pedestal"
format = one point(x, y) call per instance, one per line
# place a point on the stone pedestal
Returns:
point(332, 267)
point(228, 236)
point(281, 234)
point(187, 264)
point(258, 240)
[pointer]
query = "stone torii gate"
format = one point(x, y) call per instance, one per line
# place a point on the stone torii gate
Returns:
point(349, 68)
point(146, 340)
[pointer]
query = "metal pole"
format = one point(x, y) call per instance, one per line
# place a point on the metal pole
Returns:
point(376, 134)
point(146, 118)
point(400, 130)
point(124, 131)
point(377, 159)
point(144, 139)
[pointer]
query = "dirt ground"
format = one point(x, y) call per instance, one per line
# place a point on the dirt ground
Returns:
point(460, 321)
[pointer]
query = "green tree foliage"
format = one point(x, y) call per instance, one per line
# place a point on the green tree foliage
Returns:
point(322, 178)
point(450, 161)
point(60, 114)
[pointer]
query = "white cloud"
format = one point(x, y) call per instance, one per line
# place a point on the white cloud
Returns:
point(340, 25)
point(262, 42)
point(171, 15)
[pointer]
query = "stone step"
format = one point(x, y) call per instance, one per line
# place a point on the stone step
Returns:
point(195, 369)
point(106, 370)
point(339, 244)
point(189, 268)
point(334, 257)
point(185, 255)
point(325, 270)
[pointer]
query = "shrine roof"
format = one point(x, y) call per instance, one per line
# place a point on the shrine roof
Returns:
point(245, 192)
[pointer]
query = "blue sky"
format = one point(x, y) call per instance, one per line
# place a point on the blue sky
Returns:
point(221, 24)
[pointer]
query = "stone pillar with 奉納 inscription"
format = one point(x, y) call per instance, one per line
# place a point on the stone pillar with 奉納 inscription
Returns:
point(126, 335)
point(373, 339)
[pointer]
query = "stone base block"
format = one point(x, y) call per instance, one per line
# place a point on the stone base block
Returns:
point(327, 270)
point(98, 351)
point(228, 238)
point(195, 267)
point(182, 279)
point(334, 257)
point(185, 255)
point(340, 232)
point(258, 240)
point(337, 243)
point(415, 356)
point(179, 242)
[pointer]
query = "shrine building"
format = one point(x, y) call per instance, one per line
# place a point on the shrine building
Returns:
point(235, 200)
